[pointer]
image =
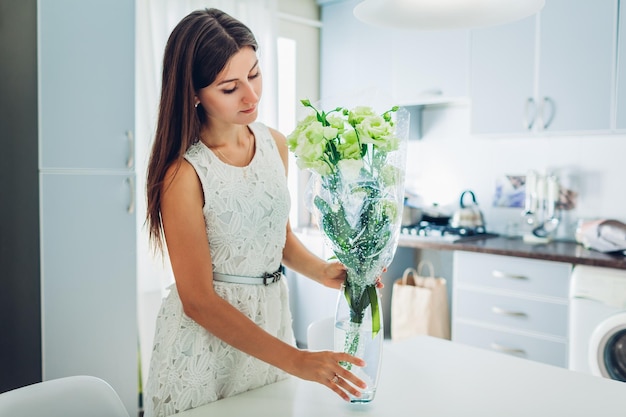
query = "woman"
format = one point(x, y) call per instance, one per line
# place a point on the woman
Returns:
point(218, 200)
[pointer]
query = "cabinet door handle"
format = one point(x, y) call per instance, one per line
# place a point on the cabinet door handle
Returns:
point(509, 350)
point(546, 121)
point(499, 274)
point(131, 186)
point(131, 149)
point(503, 312)
point(529, 121)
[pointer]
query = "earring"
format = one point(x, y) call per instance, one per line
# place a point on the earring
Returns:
point(196, 105)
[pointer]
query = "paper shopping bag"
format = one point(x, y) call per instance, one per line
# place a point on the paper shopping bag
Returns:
point(419, 305)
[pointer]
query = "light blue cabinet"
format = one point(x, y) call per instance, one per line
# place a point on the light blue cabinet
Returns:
point(356, 57)
point(88, 279)
point(86, 94)
point(621, 69)
point(502, 77)
point(407, 67)
point(512, 305)
point(88, 224)
point(549, 73)
point(576, 61)
point(428, 66)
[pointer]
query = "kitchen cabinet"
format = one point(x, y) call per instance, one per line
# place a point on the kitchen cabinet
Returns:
point(86, 94)
point(404, 66)
point(355, 58)
point(551, 72)
point(511, 305)
point(429, 66)
point(88, 279)
point(86, 179)
point(621, 69)
point(501, 76)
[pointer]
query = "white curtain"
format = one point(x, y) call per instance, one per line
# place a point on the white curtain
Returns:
point(155, 20)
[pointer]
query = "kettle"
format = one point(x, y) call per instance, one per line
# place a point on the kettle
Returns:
point(411, 214)
point(468, 216)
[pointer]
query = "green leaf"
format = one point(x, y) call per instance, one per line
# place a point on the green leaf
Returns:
point(346, 293)
point(373, 297)
point(358, 302)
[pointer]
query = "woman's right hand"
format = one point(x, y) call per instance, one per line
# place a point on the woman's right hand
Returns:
point(323, 367)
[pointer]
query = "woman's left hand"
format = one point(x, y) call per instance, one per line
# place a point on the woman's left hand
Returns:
point(334, 275)
point(379, 280)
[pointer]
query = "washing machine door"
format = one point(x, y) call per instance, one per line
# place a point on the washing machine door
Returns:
point(607, 348)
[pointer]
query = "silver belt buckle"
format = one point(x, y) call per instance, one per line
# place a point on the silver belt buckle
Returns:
point(271, 278)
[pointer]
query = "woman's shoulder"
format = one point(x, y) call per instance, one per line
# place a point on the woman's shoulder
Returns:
point(270, 133)
point(180, 174)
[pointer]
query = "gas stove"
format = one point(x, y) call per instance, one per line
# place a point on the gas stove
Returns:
point(444, 233)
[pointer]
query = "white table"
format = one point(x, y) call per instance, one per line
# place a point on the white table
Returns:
point(431, 377)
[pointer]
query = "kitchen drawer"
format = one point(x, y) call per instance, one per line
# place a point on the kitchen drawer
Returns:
point(511, 273)
point(512, 312)
point(533, 348)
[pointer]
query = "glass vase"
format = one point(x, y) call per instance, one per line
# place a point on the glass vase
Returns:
point(354, 335)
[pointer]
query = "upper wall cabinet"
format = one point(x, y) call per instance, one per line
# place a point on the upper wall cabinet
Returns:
point(407, 67)
point(430, 66)
point(621, 70)
point(551, 73)
point(86, 98)
point(576, 61)
point(355, 62)
point(502, 77)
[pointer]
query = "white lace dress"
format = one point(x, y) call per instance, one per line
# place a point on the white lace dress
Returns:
point(245, 211)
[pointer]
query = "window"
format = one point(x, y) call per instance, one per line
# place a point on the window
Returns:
point(298, 78)
point(286, 51)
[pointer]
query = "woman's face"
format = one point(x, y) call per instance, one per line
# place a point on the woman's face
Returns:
point(235, 93)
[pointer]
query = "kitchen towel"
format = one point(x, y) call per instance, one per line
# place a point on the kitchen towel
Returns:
point(419, 305)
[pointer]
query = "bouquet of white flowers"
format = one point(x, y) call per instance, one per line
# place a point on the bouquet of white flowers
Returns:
point(357, 158)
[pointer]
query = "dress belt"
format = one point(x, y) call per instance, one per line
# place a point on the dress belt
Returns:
point(266, 279)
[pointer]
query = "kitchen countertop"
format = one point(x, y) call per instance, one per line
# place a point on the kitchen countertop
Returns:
point(558, 251)
point(425, 376)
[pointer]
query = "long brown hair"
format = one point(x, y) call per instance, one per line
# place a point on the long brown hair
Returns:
point(196, 52)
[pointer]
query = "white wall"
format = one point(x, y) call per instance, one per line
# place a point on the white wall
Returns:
point(448, 160)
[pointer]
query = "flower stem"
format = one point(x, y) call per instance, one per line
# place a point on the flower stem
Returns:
point(351, 342)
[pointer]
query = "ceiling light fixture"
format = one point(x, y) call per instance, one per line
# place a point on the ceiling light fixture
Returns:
point(444, 14)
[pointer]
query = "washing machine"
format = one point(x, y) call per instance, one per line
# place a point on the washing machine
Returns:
point(597, 322)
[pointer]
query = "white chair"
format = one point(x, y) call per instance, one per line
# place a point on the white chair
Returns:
point(74, 396)
point(321, 334)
